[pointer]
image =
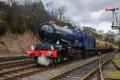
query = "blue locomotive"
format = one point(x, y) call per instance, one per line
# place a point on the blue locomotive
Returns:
point(59, 44)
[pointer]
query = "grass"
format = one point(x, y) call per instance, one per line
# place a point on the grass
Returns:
point(16, 45)
point(117, 61)
point(112, 74)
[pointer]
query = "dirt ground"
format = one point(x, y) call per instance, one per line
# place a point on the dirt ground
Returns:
point(16, 45)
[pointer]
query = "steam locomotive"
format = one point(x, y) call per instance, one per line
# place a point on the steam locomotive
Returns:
point(59, 44)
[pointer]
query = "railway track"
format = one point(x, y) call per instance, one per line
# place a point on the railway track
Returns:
point(5, 59)
point(22, 69)
point(84, 72)
point(9, 65)
point(15, 69)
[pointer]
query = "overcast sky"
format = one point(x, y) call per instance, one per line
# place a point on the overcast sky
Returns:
point(87, 12)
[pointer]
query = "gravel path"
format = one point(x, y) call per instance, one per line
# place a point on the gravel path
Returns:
point(95, 76)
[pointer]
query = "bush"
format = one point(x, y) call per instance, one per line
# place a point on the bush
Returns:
point(3, 25)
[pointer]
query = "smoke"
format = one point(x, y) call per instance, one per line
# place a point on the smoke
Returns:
point(43, 60)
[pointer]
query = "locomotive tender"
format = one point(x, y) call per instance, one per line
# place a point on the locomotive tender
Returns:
point(59, 44)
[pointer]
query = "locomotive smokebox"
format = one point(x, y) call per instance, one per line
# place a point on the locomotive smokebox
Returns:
point(49, 32)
